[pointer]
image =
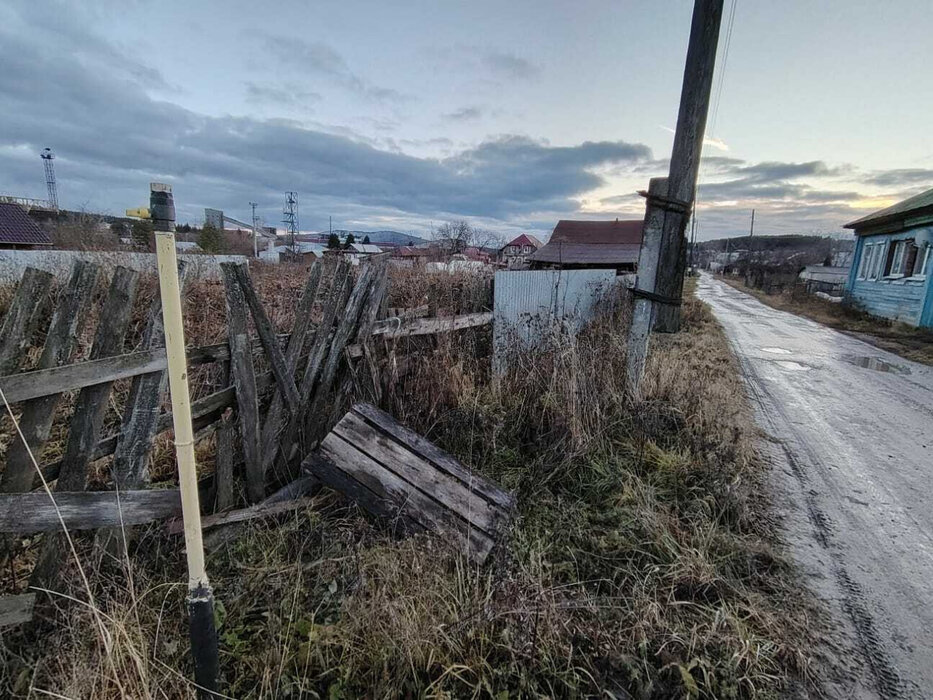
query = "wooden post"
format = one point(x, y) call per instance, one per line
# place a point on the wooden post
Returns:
point(67, 325)
point(244, 379)
point(21, 319)
point(644, 307)
point(685, 158)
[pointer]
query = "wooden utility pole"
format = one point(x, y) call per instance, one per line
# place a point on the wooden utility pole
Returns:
point(748, 254)
point(685, 161)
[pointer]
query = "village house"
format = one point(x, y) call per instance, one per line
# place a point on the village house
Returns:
point(890, 274)
point(18, 230)
point(514, 254)
point(578, 245)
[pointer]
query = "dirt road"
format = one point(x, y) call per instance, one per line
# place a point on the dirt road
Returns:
point(850, 431)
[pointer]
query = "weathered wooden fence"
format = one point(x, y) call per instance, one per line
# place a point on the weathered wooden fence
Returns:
point(278, 413)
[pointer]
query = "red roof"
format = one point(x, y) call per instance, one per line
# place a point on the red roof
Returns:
point(617, 232)
point(16, 228)
point(525, 239)
point(593, 243)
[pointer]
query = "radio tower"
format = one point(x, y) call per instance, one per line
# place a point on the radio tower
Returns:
point(47, 158)
point(290, 218)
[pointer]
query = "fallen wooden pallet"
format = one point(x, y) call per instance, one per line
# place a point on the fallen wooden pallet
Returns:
point(395, 473)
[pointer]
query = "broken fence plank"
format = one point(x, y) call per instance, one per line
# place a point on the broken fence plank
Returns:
point(423, 475)
point(267, 336)
point(35, 422)
point(24, 513)
point(16, 609)
point(244, 379)
point(223, 465)
point(386, 494)
point(373, 460)
point(23, 316)
point(289, 497)
point(273, 422)
point(431, 452)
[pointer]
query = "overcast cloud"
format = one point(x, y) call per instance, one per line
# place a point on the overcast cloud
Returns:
point(303, 114)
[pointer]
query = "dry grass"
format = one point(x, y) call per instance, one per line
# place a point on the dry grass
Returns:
point(639, 564)
point(900, 338)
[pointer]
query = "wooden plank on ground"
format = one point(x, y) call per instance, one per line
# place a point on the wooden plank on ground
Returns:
point(24, 513)
point(16, 609)
point(23, 317)
point(378, 464)
point(244, 379)
point(291, 497)
point(431, 452)
point(35, 421)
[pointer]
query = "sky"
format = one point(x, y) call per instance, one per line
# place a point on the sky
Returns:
point(509, 115)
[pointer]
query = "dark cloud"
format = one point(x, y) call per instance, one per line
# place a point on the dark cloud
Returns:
point(509, 65)
point(464, 114)
point(771, 170)
point(900, 177)
point(323, 59)
point(112, 138)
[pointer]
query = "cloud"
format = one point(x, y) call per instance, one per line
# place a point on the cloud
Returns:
point(323, 59)
point(718, 144)
point(288, 95)
point(464, 114)
point(509, 65)
point(900, 177)
point(113, 138)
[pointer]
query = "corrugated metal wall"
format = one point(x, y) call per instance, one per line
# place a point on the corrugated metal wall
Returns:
point(529, 304)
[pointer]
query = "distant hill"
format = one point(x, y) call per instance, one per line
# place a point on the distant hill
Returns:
point(377, 237)
point(777, 250)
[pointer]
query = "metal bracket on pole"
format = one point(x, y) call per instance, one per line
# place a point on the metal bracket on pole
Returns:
point(644, 291)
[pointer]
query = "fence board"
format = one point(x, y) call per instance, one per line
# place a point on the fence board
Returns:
point(244, 379)
point(273, 422)
point(267, 337)
point(21, 319)
point(24, 513)
point(35, 421)
point(16, 609)
point(89, 411)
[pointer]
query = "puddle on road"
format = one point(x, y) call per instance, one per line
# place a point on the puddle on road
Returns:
point(776, 351)
point(791, 365)
point(875, 363)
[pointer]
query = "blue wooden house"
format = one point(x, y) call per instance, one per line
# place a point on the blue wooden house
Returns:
point(893, 265)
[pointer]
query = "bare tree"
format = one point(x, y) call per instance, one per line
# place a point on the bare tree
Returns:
point(456, 236)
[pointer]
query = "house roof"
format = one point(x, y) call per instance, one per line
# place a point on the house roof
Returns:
point(916, 205)
point(824, 273)
point(365, 248)
point(606, 232)
point(17, 228)
point(593, 242)
point(525, 239)
point(407, 251)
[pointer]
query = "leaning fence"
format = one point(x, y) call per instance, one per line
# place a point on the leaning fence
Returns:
point(282, 393)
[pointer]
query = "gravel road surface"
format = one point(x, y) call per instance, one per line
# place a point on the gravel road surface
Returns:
point(850, 434)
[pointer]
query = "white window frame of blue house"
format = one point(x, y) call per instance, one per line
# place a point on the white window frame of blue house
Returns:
point(878, 265)
point(922, 262)
point(865, 265)
point(896, 271)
